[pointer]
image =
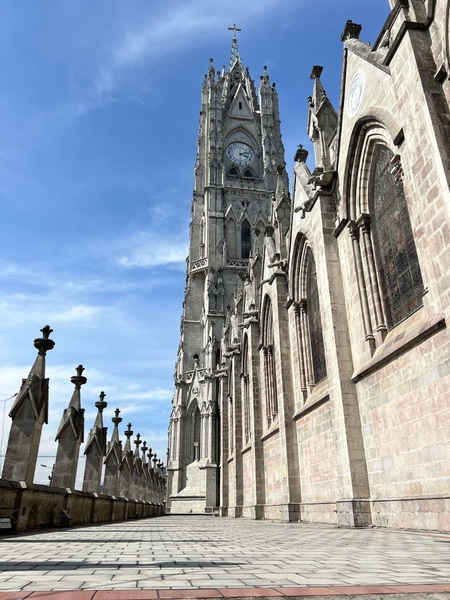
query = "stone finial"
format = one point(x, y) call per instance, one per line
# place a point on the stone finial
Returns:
point(116, 420)
point(351, 31)
point(144, 450)
point(101, 404)
point(137, 442)
point(316, 72)
point(265, 76)
point(301, 154)
point(128, 433)
point(44, 343)
point(78, 380)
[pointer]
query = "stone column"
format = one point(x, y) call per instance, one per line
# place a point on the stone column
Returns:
point(113, 458)
point(362, 290)
point(95, 450)
point(29, 412)
point(69, 437)
point(125, 465)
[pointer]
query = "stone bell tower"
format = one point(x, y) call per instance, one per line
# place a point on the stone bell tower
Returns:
point(239, 150)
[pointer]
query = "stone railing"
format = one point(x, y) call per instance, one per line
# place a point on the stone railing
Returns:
point(133, 479)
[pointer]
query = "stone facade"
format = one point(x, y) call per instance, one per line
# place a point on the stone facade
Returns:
point(327, 367)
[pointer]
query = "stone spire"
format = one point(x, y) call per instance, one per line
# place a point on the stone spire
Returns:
point(126, 465)
point(69, 436)
point(239, 148)
point(136, 472)
point(95, 450)
point(322, 121)
point(235, 55)
point(29, 412)
point(113, 458)
point(273, 149)
point(145, 478)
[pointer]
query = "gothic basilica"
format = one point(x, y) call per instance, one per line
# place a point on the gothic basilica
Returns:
point(313, 371)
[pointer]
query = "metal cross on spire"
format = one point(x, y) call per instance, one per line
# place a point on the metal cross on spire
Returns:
point(234, 29)
point(234, 47)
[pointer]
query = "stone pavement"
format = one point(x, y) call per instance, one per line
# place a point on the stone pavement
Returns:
point(220, 557)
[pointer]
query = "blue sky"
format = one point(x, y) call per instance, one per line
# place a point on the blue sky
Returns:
point(99, 109)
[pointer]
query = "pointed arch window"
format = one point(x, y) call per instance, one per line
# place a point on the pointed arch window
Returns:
point(196, 433)
point(233, 172)
point(389, 280)
point(246, 391)
point(246, 239)
point(268, 351)
point(310, 346)
point(402, 285)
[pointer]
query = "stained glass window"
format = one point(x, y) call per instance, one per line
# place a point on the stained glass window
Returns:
point(401, 277)
point(246, 239)
point(315, 324)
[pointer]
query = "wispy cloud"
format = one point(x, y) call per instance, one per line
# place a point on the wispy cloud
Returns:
point(149, 250)
point(172, 30)
point(153, 33)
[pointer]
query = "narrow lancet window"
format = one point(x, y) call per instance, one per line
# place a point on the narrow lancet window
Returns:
point(246, 239)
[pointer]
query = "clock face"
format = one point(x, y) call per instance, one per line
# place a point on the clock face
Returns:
point(240, 153)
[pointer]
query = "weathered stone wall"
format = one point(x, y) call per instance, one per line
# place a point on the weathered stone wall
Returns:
point(273, 474)
point(248, 478)
point(31, 506)
point(317, 454)
point(406, 414)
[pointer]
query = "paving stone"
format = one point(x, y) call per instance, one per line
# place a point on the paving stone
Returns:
point(164, 554)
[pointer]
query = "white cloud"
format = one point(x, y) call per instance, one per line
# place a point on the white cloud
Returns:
point(149, 250)
point(179, 26)
point(76, 313)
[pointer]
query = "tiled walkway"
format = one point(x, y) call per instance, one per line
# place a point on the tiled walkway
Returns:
point(214, 557)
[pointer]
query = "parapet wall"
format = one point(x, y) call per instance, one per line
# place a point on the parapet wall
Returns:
point(31, 506)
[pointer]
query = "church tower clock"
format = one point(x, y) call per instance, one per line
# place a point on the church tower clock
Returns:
point(239, 150)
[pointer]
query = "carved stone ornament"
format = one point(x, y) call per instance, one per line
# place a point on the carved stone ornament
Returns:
point(355, 94)
point(301, 155)
point(351, 31)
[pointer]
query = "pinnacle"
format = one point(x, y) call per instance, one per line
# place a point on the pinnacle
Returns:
point(235, 54)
